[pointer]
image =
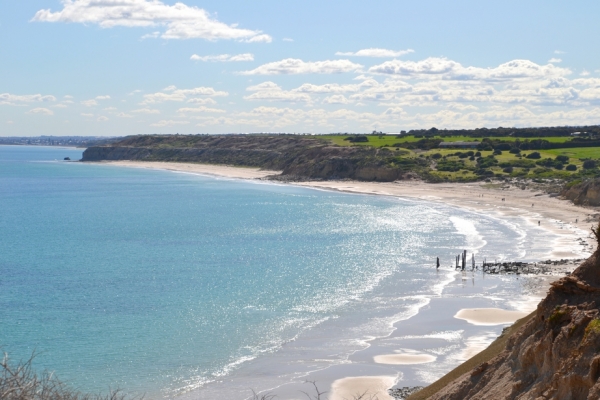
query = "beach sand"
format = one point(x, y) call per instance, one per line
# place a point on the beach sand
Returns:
point(489, 316)
point(553, 214)
point(404, 359)
point(372, 386)
point(203, 169)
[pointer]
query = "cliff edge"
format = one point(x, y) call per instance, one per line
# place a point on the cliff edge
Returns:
point(555, 354)
point(584, 193)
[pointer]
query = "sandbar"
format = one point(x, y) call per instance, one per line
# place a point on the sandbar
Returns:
point(373, 386)
point(404, 359)
point(489, 316)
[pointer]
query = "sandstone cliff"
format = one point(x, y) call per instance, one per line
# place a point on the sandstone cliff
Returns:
point(585, 193)
point(298, 157)
point(554, 355)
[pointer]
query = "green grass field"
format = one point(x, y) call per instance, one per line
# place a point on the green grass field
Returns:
point(390, 140)
point(577, 152)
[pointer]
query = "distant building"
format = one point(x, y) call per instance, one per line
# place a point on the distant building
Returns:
point(459, 145)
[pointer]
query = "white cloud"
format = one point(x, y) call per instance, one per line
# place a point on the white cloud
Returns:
point(89, 103)
point(153, 35)
point(146, 111)
point(200, 100)
point(179, 20)
point(554, 60)
point(200, 109)
point(175, 94)
point(337, 99)
point(224, 57)
point(375, 52)
point(89, 115)
point(559, 52)
point(102, 118)
point(443, 68)
point(124, 115)
point(285, 39)
point(585, 73)
point(291, 66)
point(270, 91)
point(107, 97)
point(14, 99)
point(10, 122)
point(41, 111)
point(170, 122)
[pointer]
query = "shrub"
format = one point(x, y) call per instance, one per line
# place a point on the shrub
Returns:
point(563, 159)
point(589, 164)
point(486, 162)
point(515, 150)
point(357, 139)
point(478, 154)
point(436, 156)
point(571, 167)
point(508, 170)
point(450, 166)
point(503, 146)
point(534, 156)
point(497, 152)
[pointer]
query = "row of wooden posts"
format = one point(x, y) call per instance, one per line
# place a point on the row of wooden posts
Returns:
point(460, 261)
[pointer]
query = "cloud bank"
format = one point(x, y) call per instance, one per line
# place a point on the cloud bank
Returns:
point(179, 20)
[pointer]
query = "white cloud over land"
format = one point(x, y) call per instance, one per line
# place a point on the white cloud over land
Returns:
point(180, 20)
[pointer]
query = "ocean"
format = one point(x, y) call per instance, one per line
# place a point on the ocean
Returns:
point(174, 284)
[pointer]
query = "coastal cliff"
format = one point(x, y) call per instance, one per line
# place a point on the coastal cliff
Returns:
point(585, 193)
point(554, 354)
point(299, 158)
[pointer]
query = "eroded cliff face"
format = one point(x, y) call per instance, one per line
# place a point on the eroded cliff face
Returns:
point(585, 193)
point(298, 158)
point(556, 355)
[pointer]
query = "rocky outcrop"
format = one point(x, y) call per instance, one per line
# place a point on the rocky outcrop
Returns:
point(555, 355)
point(299, 158)
point(585, 193)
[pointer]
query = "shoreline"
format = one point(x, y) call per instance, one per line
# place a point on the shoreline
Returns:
point(557, 216)
point(553, 214)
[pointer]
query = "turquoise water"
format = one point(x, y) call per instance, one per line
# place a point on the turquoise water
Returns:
point(165, 283)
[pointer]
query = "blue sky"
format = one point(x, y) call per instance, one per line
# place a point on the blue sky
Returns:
point(119, 67)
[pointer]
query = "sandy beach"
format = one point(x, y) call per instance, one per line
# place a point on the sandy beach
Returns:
point(570, 223)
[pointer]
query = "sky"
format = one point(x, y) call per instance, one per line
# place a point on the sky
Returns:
point(123, 67)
